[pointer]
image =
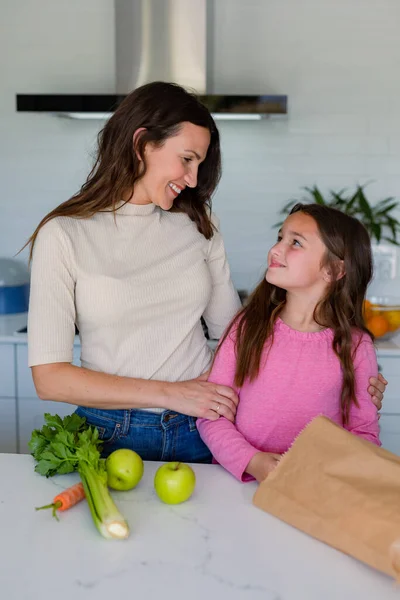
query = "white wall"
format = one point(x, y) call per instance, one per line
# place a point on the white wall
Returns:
point(337, 61)
point(47, 46)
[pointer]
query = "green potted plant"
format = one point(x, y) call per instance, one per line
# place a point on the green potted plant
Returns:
point(378, 219)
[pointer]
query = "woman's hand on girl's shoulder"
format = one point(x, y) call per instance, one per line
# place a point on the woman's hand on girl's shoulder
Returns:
point(202, 399)
point(377, 388)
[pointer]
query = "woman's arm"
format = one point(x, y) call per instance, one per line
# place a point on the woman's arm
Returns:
point(224, 301)
point(64, 382)
point(363, 419)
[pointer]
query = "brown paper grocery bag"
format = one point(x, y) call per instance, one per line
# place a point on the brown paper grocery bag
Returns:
point(342, 490)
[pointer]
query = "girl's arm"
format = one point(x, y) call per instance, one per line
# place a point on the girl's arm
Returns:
point(364, 419)
point(227, 445)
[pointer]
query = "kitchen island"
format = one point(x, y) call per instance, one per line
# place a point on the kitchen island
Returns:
point(215, 546)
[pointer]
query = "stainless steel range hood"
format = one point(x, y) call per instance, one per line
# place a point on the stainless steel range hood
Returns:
point(160, 40)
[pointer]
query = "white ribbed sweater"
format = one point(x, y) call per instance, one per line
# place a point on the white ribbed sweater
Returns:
point(136, 285)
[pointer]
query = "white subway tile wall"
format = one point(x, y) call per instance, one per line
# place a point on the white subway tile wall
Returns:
point(337, 61)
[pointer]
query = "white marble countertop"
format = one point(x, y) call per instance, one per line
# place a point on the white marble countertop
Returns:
point(215, 546)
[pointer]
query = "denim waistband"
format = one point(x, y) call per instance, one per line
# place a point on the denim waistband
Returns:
point(133, 417)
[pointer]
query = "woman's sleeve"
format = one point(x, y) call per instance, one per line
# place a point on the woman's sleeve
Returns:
point(51, 317)
point(227, 445)
point(363, 419)
point(224, 302)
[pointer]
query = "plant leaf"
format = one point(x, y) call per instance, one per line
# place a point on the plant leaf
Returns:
point(377, 231)
point(53, 421)
point(287, 208)
point(384, 202)
point(316, 194)
point(364, 204)
point(65, 468)
point(74, 422)
point(392, 241)
point(45, 467)
point(37, 444)
point(377, 219)
point(385, 210)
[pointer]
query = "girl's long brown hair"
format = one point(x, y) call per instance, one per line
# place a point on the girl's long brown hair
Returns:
point(160, 108)
point(341, 309)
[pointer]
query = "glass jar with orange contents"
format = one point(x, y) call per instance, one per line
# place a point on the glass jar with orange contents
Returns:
point(382, 316)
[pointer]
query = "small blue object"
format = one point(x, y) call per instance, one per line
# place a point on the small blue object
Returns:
point(14, 287)
point(14, 299)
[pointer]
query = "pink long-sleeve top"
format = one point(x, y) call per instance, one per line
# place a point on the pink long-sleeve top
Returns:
point(299, 378)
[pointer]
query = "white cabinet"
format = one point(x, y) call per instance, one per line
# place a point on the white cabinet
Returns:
point(390, 432)
point(389, 366)
point(7, 371)
point(8, 425)
point(30, 408)
point(390, 414)
point(8, 408)
point(26, 388)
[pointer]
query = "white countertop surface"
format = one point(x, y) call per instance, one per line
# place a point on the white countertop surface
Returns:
point(216, 546)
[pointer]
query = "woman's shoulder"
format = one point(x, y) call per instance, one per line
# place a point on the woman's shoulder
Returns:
point(55, 228)
point(188, 230)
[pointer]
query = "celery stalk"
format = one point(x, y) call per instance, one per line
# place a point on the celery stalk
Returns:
point(67, 445)
point(106, 516)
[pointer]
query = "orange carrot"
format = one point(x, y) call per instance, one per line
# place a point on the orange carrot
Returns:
point(66, 499)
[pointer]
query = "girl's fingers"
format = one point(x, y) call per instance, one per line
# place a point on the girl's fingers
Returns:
point(275, 457)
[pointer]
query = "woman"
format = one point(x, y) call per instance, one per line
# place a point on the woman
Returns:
point(135, 259)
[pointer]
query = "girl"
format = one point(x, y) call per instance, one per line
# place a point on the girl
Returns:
point(299, 348)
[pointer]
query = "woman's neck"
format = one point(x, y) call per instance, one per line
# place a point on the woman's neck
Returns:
point(298, 313)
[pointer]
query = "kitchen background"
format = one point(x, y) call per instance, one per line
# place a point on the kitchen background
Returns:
point(338, 62)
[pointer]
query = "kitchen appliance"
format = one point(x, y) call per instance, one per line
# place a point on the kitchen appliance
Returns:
point(161, 40)
point(14, 287)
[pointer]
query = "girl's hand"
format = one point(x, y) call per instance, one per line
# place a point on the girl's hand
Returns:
point(199, 398)
point(262, 464)
point(376, 390)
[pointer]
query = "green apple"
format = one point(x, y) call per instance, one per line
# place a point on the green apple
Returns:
point(124, 469)
point(174, 482)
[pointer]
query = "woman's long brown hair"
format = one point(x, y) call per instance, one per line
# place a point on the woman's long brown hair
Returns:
point(341, 309)
point(160, 108)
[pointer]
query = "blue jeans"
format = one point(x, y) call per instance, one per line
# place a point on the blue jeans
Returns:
point(163, 437)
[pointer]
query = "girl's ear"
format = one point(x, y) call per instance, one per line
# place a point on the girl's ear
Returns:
point(334, 274)
point(136, 137)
